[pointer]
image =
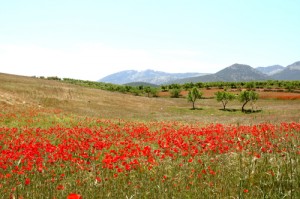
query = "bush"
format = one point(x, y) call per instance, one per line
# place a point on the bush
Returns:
point(175, 93)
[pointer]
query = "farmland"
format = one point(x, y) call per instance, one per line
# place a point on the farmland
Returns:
point(58, 138)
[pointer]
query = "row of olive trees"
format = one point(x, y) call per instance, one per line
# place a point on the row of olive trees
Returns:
point(135, 90)
point(244, 97)
point(269, 84)
point(222, 96)
point(175, 89)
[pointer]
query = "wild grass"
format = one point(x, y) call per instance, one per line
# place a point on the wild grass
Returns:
point(57, 139)
point(34, 93)
point(51, 157)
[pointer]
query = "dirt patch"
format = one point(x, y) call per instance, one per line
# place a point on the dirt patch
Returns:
point(279, 95)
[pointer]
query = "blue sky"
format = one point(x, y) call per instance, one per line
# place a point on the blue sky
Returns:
point(93, 38)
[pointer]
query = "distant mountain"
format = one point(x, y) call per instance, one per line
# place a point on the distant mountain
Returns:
point(291, 72)
point(271, 70)
point(148, 76)
point(233, 73)
point(240, 72)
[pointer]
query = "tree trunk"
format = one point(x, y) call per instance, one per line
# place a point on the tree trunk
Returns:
point(193, 105)
point(244, 105)
point(224, 105)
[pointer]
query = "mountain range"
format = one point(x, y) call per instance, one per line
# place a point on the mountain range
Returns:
point(291, 72)
point(233, 73)
point(270, 70)
point(148, 76)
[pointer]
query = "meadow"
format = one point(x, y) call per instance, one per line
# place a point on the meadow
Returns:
point(58, 139)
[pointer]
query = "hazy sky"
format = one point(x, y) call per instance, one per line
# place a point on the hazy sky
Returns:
point(89, 39)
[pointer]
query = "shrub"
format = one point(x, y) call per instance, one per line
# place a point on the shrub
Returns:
point(175, 93)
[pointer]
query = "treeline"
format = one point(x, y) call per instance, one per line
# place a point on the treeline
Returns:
point(175, 89)
point(269, 84)
point(135, 90)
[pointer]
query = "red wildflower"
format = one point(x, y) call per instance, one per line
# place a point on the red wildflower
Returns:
point(74, 196)
point(60, 187)
point(257, 155)
point(40, 169)
point(98, 179)
point(27, 181)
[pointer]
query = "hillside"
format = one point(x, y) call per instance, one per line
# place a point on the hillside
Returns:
point(19, 94)
point(34, 93)
point(148, 76)
point(233, 73)
point(291, 72)
point(141, 84)
point(240, 72)
point(270, 70)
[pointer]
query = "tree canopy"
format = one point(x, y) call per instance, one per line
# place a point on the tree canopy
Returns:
point(224, 97)
point(193, 95)
point(247, 96)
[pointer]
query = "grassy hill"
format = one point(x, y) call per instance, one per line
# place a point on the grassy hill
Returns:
point(27, 92)
point(19, 93)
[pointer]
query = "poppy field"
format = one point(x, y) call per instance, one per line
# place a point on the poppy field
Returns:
point(57, 156)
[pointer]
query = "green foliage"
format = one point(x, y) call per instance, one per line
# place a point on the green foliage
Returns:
point(175, 93)
point(199, 84)
point(54, 78)
point(164, 88)
point(193, 95)
point(250, 85)
point(151, 90)
point(141, 87)
point(147, 90)
point(224, 97)
point(207, 86)
point(175, 89)
point(188, 86)
point(154, 92)
point(290, 86)
point(247, 96)
point(135, 91)
point(174, 86)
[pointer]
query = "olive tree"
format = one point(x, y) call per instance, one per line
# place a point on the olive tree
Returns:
point(247, 96)
point(193, 95)
point(154, 92)
point(147, 90)
point(224, 97)
point(175, 93)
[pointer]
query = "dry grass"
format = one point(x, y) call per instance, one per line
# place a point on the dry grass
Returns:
point(24, 92)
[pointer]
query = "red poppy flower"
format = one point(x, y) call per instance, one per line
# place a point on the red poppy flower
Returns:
point(27, 181)
point(74, 196)
point(60, 187)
